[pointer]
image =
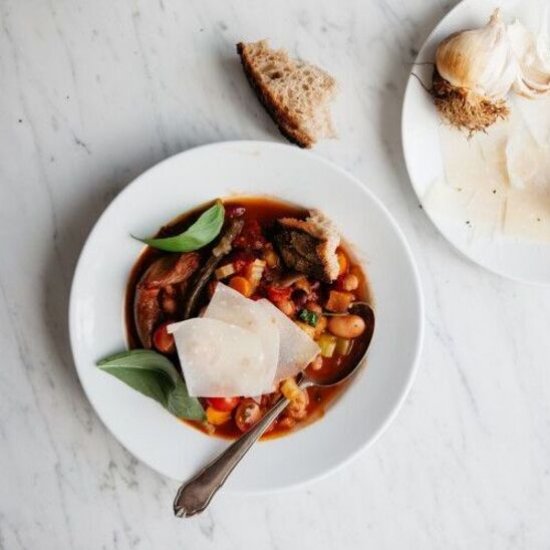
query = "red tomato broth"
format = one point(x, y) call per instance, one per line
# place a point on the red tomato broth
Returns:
point(266, 211)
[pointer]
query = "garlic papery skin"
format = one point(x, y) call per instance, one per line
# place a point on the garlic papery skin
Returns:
point(532, 52)
point(479, 60)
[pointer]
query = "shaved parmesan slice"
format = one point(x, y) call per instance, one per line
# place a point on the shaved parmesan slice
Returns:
point(219, 359)
point(296, 349)
point(240, 347)
point(232, 307)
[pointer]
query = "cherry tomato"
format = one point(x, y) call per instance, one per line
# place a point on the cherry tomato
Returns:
point(163, 341)
point(223, 403)
point(247, 414)
point(281, 298)
point(277, 294)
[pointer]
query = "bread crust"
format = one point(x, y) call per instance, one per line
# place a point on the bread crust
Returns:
point(287, 126)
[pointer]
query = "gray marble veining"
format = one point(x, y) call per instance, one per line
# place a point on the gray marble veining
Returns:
point(93, 93)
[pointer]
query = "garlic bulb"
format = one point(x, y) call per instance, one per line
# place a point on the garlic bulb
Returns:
point(533, 57)
point(475, 69)
point(479, 60)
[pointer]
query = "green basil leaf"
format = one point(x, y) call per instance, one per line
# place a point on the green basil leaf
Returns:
point(146, 382)
point(201, 233)
point(153, 375)
point(182, 405)
point(141, 360)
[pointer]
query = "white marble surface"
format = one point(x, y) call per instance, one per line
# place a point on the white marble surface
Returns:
point(93, 93)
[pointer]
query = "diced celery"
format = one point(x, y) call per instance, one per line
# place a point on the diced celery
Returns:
point(308, 329)
point(224, 271)
point(256, 271)
point(290, 389)
point(327, 343)
point(343, 346)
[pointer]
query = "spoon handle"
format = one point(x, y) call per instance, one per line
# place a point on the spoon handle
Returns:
point(195, 495)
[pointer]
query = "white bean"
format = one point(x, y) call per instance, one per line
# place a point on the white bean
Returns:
point(346, 326)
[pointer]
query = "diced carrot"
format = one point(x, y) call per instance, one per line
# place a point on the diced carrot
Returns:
point(216, 417)
point(242, 285)
point(338, 302)
point(342, 261)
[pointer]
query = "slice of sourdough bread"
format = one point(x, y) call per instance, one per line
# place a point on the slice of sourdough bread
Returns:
point(296, 94)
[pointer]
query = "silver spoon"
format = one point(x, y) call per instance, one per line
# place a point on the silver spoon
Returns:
point(195, 495)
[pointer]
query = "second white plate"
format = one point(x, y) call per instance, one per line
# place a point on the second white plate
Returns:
point(518, 259)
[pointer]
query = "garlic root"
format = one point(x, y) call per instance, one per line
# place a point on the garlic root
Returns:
point(464, 108)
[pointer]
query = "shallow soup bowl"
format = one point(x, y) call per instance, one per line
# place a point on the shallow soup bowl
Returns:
point(248, 168)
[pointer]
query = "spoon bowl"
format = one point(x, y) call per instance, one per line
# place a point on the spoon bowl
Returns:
point(195, 495)
point(328, 379)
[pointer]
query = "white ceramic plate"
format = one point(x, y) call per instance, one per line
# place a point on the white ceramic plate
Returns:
point(249, 168)
point(523, 260)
